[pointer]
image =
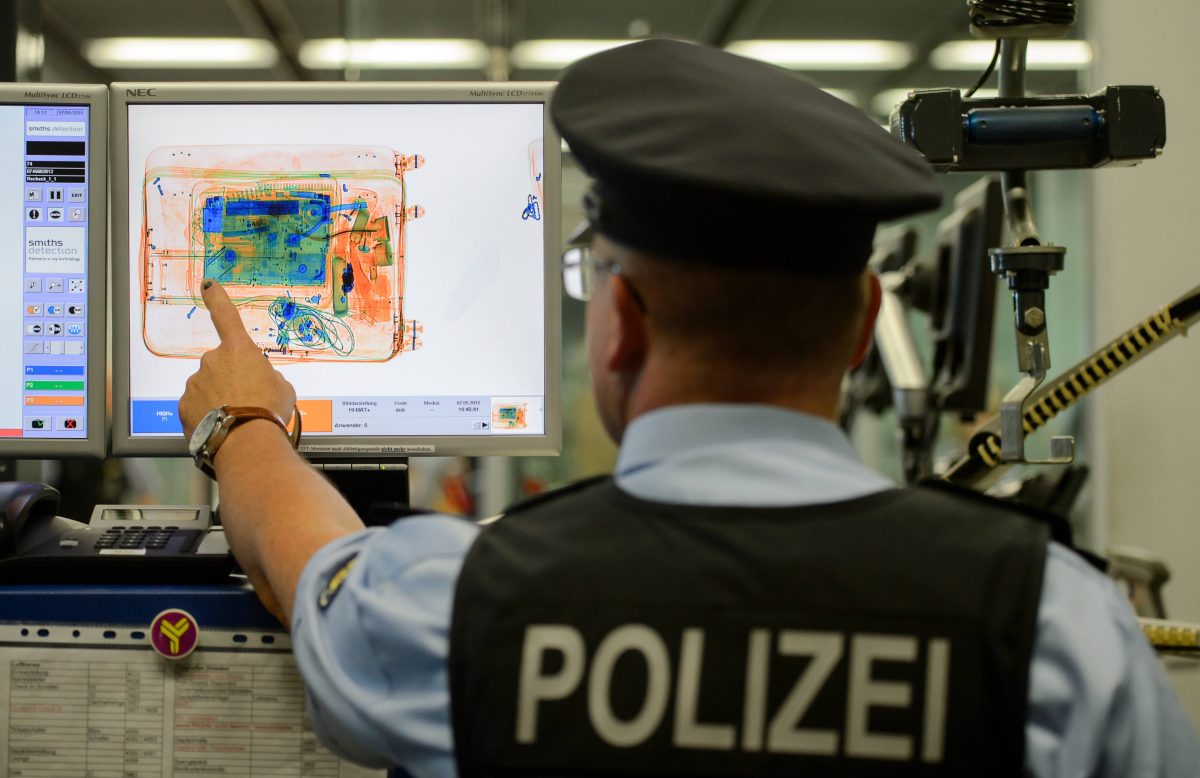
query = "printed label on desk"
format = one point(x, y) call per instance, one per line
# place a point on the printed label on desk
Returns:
point(127, 712)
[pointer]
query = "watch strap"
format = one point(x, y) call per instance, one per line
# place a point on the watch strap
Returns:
point(239, 414)
point(245, 413)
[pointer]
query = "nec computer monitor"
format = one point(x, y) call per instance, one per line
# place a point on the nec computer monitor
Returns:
point(392, 248)
point(52, 225)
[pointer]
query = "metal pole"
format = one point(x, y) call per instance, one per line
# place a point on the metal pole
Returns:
point(21, 45)
point(1018, 209)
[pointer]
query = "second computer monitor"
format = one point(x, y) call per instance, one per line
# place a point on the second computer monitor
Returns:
point(52, 233)
point(390, 248)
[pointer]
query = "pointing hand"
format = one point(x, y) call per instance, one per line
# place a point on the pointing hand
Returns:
point(235, 372)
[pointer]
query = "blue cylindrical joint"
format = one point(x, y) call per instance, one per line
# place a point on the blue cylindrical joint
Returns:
point(1034, 124)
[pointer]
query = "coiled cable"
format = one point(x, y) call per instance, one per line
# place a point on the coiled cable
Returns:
point(1015, 13)
point(994, 17)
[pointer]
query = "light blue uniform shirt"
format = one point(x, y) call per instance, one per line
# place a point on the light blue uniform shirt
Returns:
point(374, 659)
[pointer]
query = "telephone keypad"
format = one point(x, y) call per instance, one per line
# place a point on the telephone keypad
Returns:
point(135, 537)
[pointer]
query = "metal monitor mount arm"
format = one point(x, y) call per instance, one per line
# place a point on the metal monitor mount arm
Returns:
point(918, 418)
point(1027, 266)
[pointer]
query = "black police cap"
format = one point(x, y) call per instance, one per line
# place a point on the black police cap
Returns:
point(705, 156)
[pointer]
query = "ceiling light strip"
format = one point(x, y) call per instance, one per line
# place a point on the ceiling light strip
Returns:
point(395, 54)
point(180, 53)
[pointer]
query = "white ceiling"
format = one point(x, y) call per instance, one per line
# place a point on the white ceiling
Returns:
point(68, 24)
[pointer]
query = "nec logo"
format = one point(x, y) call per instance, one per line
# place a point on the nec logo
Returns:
point(141, 92)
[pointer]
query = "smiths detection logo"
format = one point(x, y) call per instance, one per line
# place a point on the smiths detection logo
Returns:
point(174, 633)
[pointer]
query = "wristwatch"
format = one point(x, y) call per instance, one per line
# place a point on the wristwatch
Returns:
point(212, 430)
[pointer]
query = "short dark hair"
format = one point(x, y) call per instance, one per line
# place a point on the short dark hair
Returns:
point(766, 321)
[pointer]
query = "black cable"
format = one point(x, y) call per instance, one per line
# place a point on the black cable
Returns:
point(983, 79)
point(1014, 13)
point(1000, 14)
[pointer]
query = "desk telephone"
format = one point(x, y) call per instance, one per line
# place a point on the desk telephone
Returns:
point(158, 544)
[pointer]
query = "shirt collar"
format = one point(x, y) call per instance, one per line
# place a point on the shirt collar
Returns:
point(677, 429)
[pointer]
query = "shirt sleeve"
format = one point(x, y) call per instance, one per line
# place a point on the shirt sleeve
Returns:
point(370, 633)
point(1099, 700)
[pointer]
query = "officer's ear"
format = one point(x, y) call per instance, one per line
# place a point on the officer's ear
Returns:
point(628, 346)
point(871, 312)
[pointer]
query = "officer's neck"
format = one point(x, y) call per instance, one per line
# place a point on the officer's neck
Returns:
point(663, 382)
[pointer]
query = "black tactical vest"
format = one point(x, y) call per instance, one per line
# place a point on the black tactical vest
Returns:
point(595, 633)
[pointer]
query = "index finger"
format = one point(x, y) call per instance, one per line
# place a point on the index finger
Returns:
point(225, 316)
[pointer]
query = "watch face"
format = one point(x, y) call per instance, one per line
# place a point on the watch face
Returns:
point(204, 429)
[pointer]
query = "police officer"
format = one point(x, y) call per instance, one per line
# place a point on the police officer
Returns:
point(743, 596)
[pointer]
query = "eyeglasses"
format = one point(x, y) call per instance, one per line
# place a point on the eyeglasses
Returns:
point(579, 266)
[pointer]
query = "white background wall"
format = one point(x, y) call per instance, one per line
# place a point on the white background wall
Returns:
point(1147, 252)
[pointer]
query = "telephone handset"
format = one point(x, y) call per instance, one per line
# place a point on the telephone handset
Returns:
point(21, 501)
point(155, 544)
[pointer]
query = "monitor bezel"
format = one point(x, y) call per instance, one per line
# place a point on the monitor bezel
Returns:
point(95, 97)
point(964, 292)
point(325, 448)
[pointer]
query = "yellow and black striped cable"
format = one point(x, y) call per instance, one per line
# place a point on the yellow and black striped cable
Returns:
point(1061, 393)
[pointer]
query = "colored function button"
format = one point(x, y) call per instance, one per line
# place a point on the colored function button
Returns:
point(47, 399)
point(55, 386)
point(317, 415)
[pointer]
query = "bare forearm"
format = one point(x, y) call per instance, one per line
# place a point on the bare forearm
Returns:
point(277, 511)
